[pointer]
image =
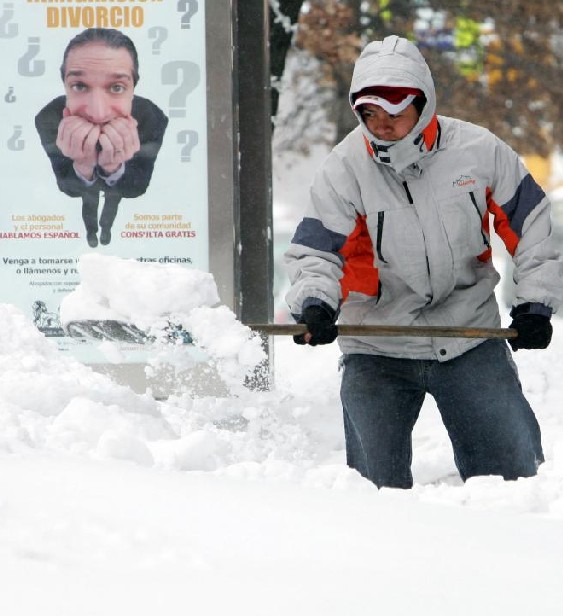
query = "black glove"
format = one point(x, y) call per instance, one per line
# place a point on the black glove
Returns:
point(534, 330)
point(319, 320)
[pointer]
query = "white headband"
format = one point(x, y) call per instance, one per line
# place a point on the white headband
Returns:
point(371, 99)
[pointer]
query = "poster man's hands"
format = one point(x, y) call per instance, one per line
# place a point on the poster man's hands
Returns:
point(89, 145)
point(77, 139)
point(119, 141)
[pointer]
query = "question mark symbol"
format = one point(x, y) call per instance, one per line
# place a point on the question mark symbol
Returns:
point(188, 13)
point(25, 62)
point(190, 77)
point(10, 97)
point(191, 139)
point(14, 142)
point(160, 34)
point(7, 30)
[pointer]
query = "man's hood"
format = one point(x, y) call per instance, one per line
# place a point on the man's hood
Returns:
point(395, 61)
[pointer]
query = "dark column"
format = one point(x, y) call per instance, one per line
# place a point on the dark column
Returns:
point(254, 257)
point(252, 92)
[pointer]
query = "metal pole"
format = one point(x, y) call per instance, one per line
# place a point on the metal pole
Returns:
point(254, 228)
point(255, 161)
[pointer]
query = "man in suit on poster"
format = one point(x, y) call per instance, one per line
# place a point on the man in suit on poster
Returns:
point(100, 137)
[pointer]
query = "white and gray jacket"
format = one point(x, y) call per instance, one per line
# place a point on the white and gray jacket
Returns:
point(397, 233)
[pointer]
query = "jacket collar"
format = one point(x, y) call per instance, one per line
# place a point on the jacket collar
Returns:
point(399, 155)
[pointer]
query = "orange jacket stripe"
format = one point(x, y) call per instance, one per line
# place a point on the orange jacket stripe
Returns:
point(430, 132)
point(360, 275)
point(502, 224)
point(368, 146)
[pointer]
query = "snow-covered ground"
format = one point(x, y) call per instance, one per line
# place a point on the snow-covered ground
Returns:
point(114, 503)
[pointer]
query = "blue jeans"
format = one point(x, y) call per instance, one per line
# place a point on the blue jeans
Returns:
point(491, 426)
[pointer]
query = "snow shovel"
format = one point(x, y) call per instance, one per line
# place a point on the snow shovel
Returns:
point(120, 331)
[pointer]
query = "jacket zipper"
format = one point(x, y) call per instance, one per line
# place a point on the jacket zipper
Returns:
point(474, 201)
point(409, 196)
point(380, 220)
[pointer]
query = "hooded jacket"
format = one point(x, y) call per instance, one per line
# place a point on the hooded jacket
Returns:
point(397, 233)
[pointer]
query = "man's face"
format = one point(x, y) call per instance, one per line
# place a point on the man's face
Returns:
point(99, 82)
point(389, 127)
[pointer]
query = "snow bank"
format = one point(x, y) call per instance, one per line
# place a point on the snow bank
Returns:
point(168, 302)
point(50, 403)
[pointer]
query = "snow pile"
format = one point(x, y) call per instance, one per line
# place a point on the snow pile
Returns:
point(136, 292)
point(291, 434)
point(168, 302)
point(50, 401)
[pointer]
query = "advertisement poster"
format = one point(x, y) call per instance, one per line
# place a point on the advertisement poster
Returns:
point(103, 144)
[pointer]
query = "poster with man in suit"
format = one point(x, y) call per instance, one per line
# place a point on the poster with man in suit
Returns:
point(103, 142)
point(100, 137)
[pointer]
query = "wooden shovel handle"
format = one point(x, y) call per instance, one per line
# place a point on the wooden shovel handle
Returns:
point(293, 329)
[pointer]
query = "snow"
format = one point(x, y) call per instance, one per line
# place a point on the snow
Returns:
point(112, 502)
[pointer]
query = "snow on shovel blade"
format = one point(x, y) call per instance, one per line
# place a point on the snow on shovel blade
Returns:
point(114, 331)
point(122, 331)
